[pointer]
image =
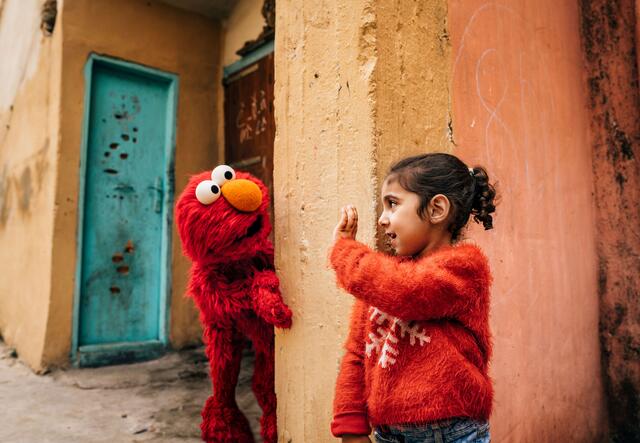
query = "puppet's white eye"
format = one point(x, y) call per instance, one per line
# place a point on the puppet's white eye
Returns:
point(207, 192)
point(222, 174)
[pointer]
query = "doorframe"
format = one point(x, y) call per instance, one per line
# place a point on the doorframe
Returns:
point(98, 355)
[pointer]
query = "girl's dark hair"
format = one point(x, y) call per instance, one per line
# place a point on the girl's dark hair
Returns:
point(439, 173)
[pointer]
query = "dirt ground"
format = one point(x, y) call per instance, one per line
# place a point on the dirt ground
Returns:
point(155, 401)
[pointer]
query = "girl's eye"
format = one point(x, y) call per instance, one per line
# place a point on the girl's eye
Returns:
point(392, 203)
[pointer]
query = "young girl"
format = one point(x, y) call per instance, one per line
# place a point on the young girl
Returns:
point(419, 344)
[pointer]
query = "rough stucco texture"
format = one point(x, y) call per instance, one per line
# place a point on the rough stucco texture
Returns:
point(28, 139)
point(609, 30)
point(520, 109)
point(411, 79)
point(351, 97)
point(323, 159)
point(161, 37)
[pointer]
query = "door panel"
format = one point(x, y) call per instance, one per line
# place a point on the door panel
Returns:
point(249, 120)
point(128, 155)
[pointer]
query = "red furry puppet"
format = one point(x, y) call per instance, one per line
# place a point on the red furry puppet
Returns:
point(224, 225)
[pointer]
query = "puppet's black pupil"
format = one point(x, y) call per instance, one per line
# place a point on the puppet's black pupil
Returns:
point(228, 175)
point(214, 189)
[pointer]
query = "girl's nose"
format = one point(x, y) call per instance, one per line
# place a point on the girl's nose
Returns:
point(383, 220)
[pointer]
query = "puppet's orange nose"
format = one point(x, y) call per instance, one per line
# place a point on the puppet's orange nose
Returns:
point(244, 195)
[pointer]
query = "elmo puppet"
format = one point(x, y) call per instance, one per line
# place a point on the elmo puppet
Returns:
point(224, 225)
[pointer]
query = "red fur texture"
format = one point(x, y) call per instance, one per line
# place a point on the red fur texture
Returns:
point(234, 285)
point(419, 342)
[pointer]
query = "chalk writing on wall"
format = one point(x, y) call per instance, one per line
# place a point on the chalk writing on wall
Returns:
point(251, 119)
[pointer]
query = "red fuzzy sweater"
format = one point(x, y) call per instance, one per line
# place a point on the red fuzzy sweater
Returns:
point(419, 342)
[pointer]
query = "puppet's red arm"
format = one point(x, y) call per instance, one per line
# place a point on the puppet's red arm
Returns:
point(267, 300)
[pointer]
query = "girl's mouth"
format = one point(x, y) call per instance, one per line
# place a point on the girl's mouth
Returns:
point(391, 238)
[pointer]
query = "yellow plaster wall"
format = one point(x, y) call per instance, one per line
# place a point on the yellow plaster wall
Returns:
point(244, 23)
point(335, 74)
point(411, 80)
point(29, 98)
point(161, 37)
point(323, 159)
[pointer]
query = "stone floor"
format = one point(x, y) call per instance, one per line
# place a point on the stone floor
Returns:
point(155, 401)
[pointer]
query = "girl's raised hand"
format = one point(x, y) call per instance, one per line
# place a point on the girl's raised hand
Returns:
point(347, 226)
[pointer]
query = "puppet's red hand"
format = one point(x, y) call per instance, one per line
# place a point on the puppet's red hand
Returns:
point(267, 300)
point(279, 315)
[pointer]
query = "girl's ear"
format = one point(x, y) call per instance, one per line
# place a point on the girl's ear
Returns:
point(439, 208)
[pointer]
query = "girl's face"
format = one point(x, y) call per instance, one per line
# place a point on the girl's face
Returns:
point(407, 233)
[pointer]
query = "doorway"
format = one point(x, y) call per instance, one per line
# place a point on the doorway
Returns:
point(126, 199)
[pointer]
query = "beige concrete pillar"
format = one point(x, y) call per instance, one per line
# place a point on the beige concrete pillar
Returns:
point(358, 84)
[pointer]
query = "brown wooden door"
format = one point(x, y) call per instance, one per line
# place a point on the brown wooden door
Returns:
point(249, 123)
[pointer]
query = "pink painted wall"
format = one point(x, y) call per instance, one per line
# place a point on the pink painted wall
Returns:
point(519, 103)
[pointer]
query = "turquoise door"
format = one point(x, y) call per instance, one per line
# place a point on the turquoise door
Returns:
point(127, 195)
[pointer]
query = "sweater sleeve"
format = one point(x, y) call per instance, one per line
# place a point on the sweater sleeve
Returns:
point(349, 403)
point(445, 283)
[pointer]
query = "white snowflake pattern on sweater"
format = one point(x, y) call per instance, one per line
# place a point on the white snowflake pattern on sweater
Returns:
point(384, 340)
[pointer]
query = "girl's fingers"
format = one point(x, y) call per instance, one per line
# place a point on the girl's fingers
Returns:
point(343, 218)
point(351, 219)
point(352, 223)
point(348, 224)
point(355, 221)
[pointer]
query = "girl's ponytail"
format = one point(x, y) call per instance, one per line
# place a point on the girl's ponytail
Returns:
point(484, 193)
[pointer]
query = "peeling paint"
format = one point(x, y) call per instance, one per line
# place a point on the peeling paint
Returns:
point(117, 257)
point(129, 247)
